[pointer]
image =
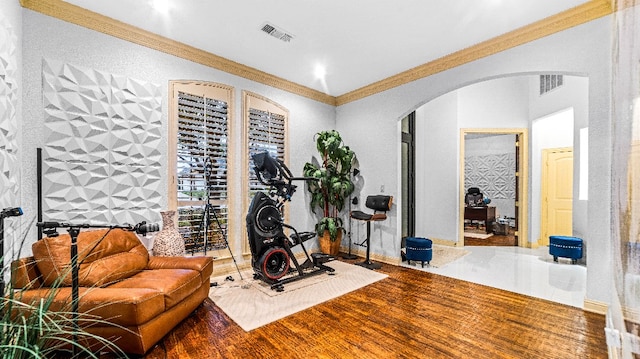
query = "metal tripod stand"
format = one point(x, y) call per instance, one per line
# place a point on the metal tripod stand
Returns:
point(205, 223)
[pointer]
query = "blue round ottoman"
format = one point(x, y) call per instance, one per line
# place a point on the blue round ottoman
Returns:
point(419, 249)
point(566, 247)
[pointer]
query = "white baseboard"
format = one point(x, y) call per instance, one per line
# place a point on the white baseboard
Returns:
point(594, 306)
point(362, 252)
point(444, 242)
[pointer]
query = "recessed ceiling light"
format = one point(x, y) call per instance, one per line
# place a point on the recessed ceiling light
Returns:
point(320, 71)
point(160, 5)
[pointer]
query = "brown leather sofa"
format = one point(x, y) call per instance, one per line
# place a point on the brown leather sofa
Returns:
point(144, 296)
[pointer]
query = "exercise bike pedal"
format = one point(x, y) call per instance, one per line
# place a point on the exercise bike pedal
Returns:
point(307, 264)
point(320, 258)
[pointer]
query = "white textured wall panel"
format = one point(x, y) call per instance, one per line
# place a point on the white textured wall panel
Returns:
point(9, 163)
point(101, 155)
point(494, 174)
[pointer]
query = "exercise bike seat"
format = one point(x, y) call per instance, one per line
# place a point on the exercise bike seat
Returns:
point(301, 237)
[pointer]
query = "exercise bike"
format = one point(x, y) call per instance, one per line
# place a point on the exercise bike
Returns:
point(271, 254)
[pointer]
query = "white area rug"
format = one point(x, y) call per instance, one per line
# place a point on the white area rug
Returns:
point(442, 255)
point(478, 235)
point(252, 304)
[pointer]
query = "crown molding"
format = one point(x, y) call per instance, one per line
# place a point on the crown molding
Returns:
point(106, 25)
point(624, 4)
point(581, 14)
point(76, 15)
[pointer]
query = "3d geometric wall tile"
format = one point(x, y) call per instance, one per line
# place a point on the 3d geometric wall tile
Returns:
point(9, 161)
point(493, 174)
point(101, 155)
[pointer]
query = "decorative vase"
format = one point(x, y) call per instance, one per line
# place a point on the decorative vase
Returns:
point(330, 247)
point(168, 242)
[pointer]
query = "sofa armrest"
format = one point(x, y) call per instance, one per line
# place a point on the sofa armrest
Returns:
point(204, 265)
point(25, 274)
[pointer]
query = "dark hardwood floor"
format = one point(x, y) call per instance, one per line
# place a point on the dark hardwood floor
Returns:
point(410, 314)
point(495, 240)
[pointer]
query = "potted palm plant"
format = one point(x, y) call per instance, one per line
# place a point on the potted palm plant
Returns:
point(332, 187)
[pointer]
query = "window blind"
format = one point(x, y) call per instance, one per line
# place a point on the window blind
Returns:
point(266, 132)
point(201, 166)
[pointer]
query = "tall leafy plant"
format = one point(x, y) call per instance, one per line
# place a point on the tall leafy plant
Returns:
point(333, 183)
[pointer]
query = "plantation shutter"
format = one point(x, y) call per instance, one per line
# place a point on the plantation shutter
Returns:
point(201, 169)
point(266, 133)
point(265, 126)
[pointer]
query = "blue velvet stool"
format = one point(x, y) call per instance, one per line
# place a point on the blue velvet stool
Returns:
point(419, 249)
point(566, 247)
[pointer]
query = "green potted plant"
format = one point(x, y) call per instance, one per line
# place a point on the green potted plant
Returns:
point(332, 187)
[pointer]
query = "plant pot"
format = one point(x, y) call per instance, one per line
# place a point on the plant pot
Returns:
point(329, 247)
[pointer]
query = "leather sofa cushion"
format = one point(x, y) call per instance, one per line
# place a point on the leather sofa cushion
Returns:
point(201, 264)
point(103, 260)
point(174, 284)
point(25, 274)
point(131, 307)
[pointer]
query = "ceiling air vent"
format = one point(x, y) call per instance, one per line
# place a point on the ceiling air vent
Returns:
point(276, 32)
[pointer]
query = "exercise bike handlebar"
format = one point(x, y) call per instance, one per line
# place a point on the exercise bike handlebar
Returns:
point(274, 173)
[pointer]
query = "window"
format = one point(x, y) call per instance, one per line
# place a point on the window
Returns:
point(266, 124)
point(266, 130)
point(200, 125)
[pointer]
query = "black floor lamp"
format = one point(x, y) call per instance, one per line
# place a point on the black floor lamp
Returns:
point(7, 212)
point(354, 173)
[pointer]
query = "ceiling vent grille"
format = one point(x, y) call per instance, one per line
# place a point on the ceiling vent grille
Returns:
point(276, 32)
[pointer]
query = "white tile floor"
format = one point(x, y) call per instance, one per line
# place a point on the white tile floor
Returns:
point(522, 270)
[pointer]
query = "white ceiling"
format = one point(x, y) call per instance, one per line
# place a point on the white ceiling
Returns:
point(358, 41)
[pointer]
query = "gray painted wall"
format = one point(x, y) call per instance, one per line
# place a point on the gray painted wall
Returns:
point(370, 125)
point(49, 38)
point(583, 50)
point(496, 103)
point(574, 93)
point(437, 170)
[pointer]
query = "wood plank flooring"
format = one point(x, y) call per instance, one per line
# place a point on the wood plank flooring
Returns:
point(508, 240)
point(495, 240)
point(410, 314)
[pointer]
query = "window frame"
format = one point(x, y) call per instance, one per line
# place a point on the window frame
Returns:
point(252, 100)
point(210, 90)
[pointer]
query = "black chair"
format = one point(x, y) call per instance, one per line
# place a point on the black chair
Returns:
point(379, 204)
point(474, 198)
